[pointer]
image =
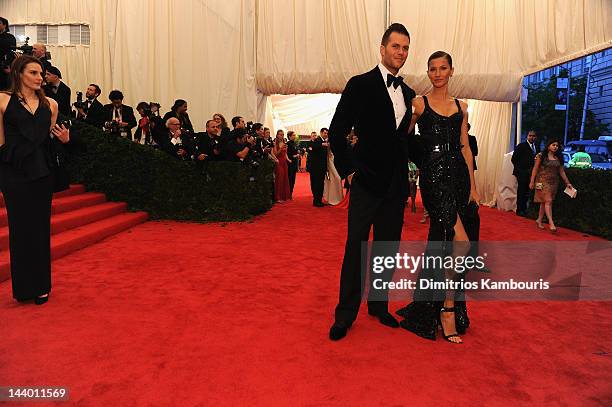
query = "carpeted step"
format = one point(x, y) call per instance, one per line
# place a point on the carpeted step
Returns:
point(66, 204)
point(74, 239)
point(69, 220)
point(74, 189)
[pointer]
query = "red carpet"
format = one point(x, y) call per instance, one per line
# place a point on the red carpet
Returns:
point(182, 314)
point(78, 220)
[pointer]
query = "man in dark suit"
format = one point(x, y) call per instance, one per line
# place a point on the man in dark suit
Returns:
point(523, 161)
point(57, 90)
point(117, 112)
point(208, 143)
point(179, 145)
point(92, 111)
point(378, 104)
point(317, 157)
point(294, 155)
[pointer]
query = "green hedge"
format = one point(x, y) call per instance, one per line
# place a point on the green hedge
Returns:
point(591, 210)
point(151, 180)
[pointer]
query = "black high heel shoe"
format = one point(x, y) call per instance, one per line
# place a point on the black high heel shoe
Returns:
point(41, 300)
point(444, 335)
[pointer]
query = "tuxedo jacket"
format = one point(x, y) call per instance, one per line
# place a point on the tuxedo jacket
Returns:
point(317, 156)
point(380, 157)
point(127, 115)
point(523, 159)
point(62, 97)
point(95, 114)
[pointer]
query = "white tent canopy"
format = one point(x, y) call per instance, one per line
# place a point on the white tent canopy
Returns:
point(216, 54)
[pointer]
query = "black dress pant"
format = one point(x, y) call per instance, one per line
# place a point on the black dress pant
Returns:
point(292, 171)
point(317, 182)
point(522, 191)
point(386, 215)
point(28, 206)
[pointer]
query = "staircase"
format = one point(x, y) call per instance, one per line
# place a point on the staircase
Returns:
point(78, 219)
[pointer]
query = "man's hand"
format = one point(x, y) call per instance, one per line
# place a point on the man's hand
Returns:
point(181, 152)
point(202, 157)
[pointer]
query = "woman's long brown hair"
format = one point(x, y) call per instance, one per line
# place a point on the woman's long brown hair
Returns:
point(17, 68)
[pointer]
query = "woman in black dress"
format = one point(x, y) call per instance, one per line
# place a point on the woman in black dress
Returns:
point(447, 188)
point(27, 126)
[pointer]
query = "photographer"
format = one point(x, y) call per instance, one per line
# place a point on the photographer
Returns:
point(179, 110)
point(180, 143)
point(262, 147)
point(39, 50)
point(91, 110)
point(118, 118)
point(239, 147)
point(208, 144)
point(58, 90)
point(7, 45)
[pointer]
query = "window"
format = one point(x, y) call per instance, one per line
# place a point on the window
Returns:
point(19, 33)
point(52, 34)
point(85, 38)
point(41, 34)
point(76, 34)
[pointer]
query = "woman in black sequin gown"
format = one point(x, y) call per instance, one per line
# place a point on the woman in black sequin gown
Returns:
point(448, 192)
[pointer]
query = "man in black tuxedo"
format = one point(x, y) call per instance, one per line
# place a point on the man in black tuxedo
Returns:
point(208, 144)
point(57, 90)
point(294, 156)
point(523, 161)
point(92, 111)
point(116, 111)
point(181, 146)
point(317, 157)
point(378, 104)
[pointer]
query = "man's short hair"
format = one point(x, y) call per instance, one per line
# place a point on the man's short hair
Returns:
point(236, 120)
point(171, 119)
point(97, 88)
point(324, 129)
point(142, 105)
point(208, 122)
point(115, 95)
point(394, 28)
point(257, 126)
point(532, 131)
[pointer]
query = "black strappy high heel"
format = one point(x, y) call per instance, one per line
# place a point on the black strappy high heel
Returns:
point(444, 335)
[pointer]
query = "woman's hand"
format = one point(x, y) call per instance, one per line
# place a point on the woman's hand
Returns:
point(568, 185)
point(474, 196)
point(62, 133)
point(531, 185)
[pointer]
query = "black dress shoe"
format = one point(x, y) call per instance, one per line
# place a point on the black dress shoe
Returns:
point(338, 331)
point(385, 318)
point(318, 204)
point(41, 300)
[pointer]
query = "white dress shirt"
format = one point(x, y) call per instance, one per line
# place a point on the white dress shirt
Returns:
point(396, 95)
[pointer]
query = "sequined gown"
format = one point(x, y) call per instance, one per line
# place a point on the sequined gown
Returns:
point(548, 177)
point(445, 191)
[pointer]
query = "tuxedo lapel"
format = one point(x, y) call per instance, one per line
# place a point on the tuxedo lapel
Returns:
point(407, 93)
point(380, 89)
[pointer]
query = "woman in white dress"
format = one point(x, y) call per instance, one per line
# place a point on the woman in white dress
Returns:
point(332, 188)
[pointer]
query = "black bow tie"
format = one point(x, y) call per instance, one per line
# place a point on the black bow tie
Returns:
point(395, 80)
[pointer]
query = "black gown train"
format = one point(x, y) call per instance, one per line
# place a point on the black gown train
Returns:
point(445, 190)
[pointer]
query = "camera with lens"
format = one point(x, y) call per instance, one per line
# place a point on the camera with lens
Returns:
point(79, 104)
point(66, 123)
point(112, 127)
